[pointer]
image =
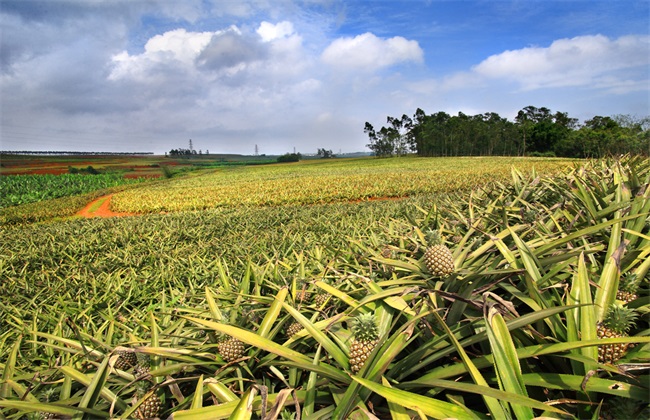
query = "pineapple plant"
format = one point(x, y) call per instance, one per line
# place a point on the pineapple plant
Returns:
point(126, 360)
point(302, 293)
point(230, 348)
point(624, 408)
point(365, 337)
point(437, 257)
point(617, 322)
point(387, 269)
point(627, 291)
point(48, 396)
point(149, 407)
point(143, 364)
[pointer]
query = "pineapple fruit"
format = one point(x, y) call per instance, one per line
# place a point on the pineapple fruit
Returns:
point(627, 291)
point(302, 292)
point(151, 406)
point(126, 360)
point(617, 323)
point(230, 348)
point(143, 364)
point(321, 298)
point(438, 258)
point(365, 337)
point(294, 329)
point(387, 269)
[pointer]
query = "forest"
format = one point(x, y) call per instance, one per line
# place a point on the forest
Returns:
point(534, 132)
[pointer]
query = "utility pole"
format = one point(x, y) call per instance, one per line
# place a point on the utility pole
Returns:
point(191, 148)
point(257, 151)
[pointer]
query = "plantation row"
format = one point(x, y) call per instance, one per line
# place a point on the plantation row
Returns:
point(341, 310)
point(318, 182)
point(24, 189)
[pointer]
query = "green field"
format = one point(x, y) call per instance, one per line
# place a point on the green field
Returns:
point(282, 259)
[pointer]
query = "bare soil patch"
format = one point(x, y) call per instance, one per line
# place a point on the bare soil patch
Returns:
point(101, 208)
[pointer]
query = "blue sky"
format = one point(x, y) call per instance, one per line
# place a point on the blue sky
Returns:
point(118, 75)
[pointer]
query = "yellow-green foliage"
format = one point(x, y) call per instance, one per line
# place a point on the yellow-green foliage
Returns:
point(510, 333)
point(315, 181)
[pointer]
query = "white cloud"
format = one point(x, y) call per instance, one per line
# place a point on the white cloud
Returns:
point(269, 32)
point(177, 47)
point(368, 52)
point(593, 60)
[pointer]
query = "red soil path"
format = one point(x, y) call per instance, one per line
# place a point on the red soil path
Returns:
point(103, 210)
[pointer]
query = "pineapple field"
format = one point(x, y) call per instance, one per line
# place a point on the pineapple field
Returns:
point(487, 288)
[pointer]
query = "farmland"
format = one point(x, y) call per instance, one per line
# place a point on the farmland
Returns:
point(222, 259)
point(319, 182)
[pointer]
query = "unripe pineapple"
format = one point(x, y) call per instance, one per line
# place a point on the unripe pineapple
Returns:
point(126, 360)
point(302, 293)
point(628, 288)
point(438, 258)
point(617, 323)
point(48, 396)
point(321, 298)
point(365, 335)
point(624, 408)
point(294, 329)
point(387, 269)
point(143, 365)
point(151, 406)
point(230, 348)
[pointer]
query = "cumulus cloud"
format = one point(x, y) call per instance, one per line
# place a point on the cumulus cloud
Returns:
point(178, 48)
point(593, 60)
point(268, 31)
point(369, 52)
point(228, 50)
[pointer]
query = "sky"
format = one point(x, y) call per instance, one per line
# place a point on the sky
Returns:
point(288, 75)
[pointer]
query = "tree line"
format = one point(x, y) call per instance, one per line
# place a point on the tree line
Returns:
point(534, 132)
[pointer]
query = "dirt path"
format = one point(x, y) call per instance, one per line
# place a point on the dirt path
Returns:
point(100, 208)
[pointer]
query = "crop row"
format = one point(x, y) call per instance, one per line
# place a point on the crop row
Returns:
point(315, 182)
point(23, 189)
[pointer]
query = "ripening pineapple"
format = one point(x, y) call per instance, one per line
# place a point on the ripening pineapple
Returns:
point(617, 323)
point(294, 329)
point(151, 407)
point(438, 258)
point(627, 291)
point(365, 336)
point(230, 348)
point(126, 360)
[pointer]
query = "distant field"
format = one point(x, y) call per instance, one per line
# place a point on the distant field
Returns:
point(146, 166)
point(325, 181)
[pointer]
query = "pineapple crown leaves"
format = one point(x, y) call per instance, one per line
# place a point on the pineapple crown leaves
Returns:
point(143, 387)
point(433, 237)
point(630, 282)
point(620, 318)
point(364, 327)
